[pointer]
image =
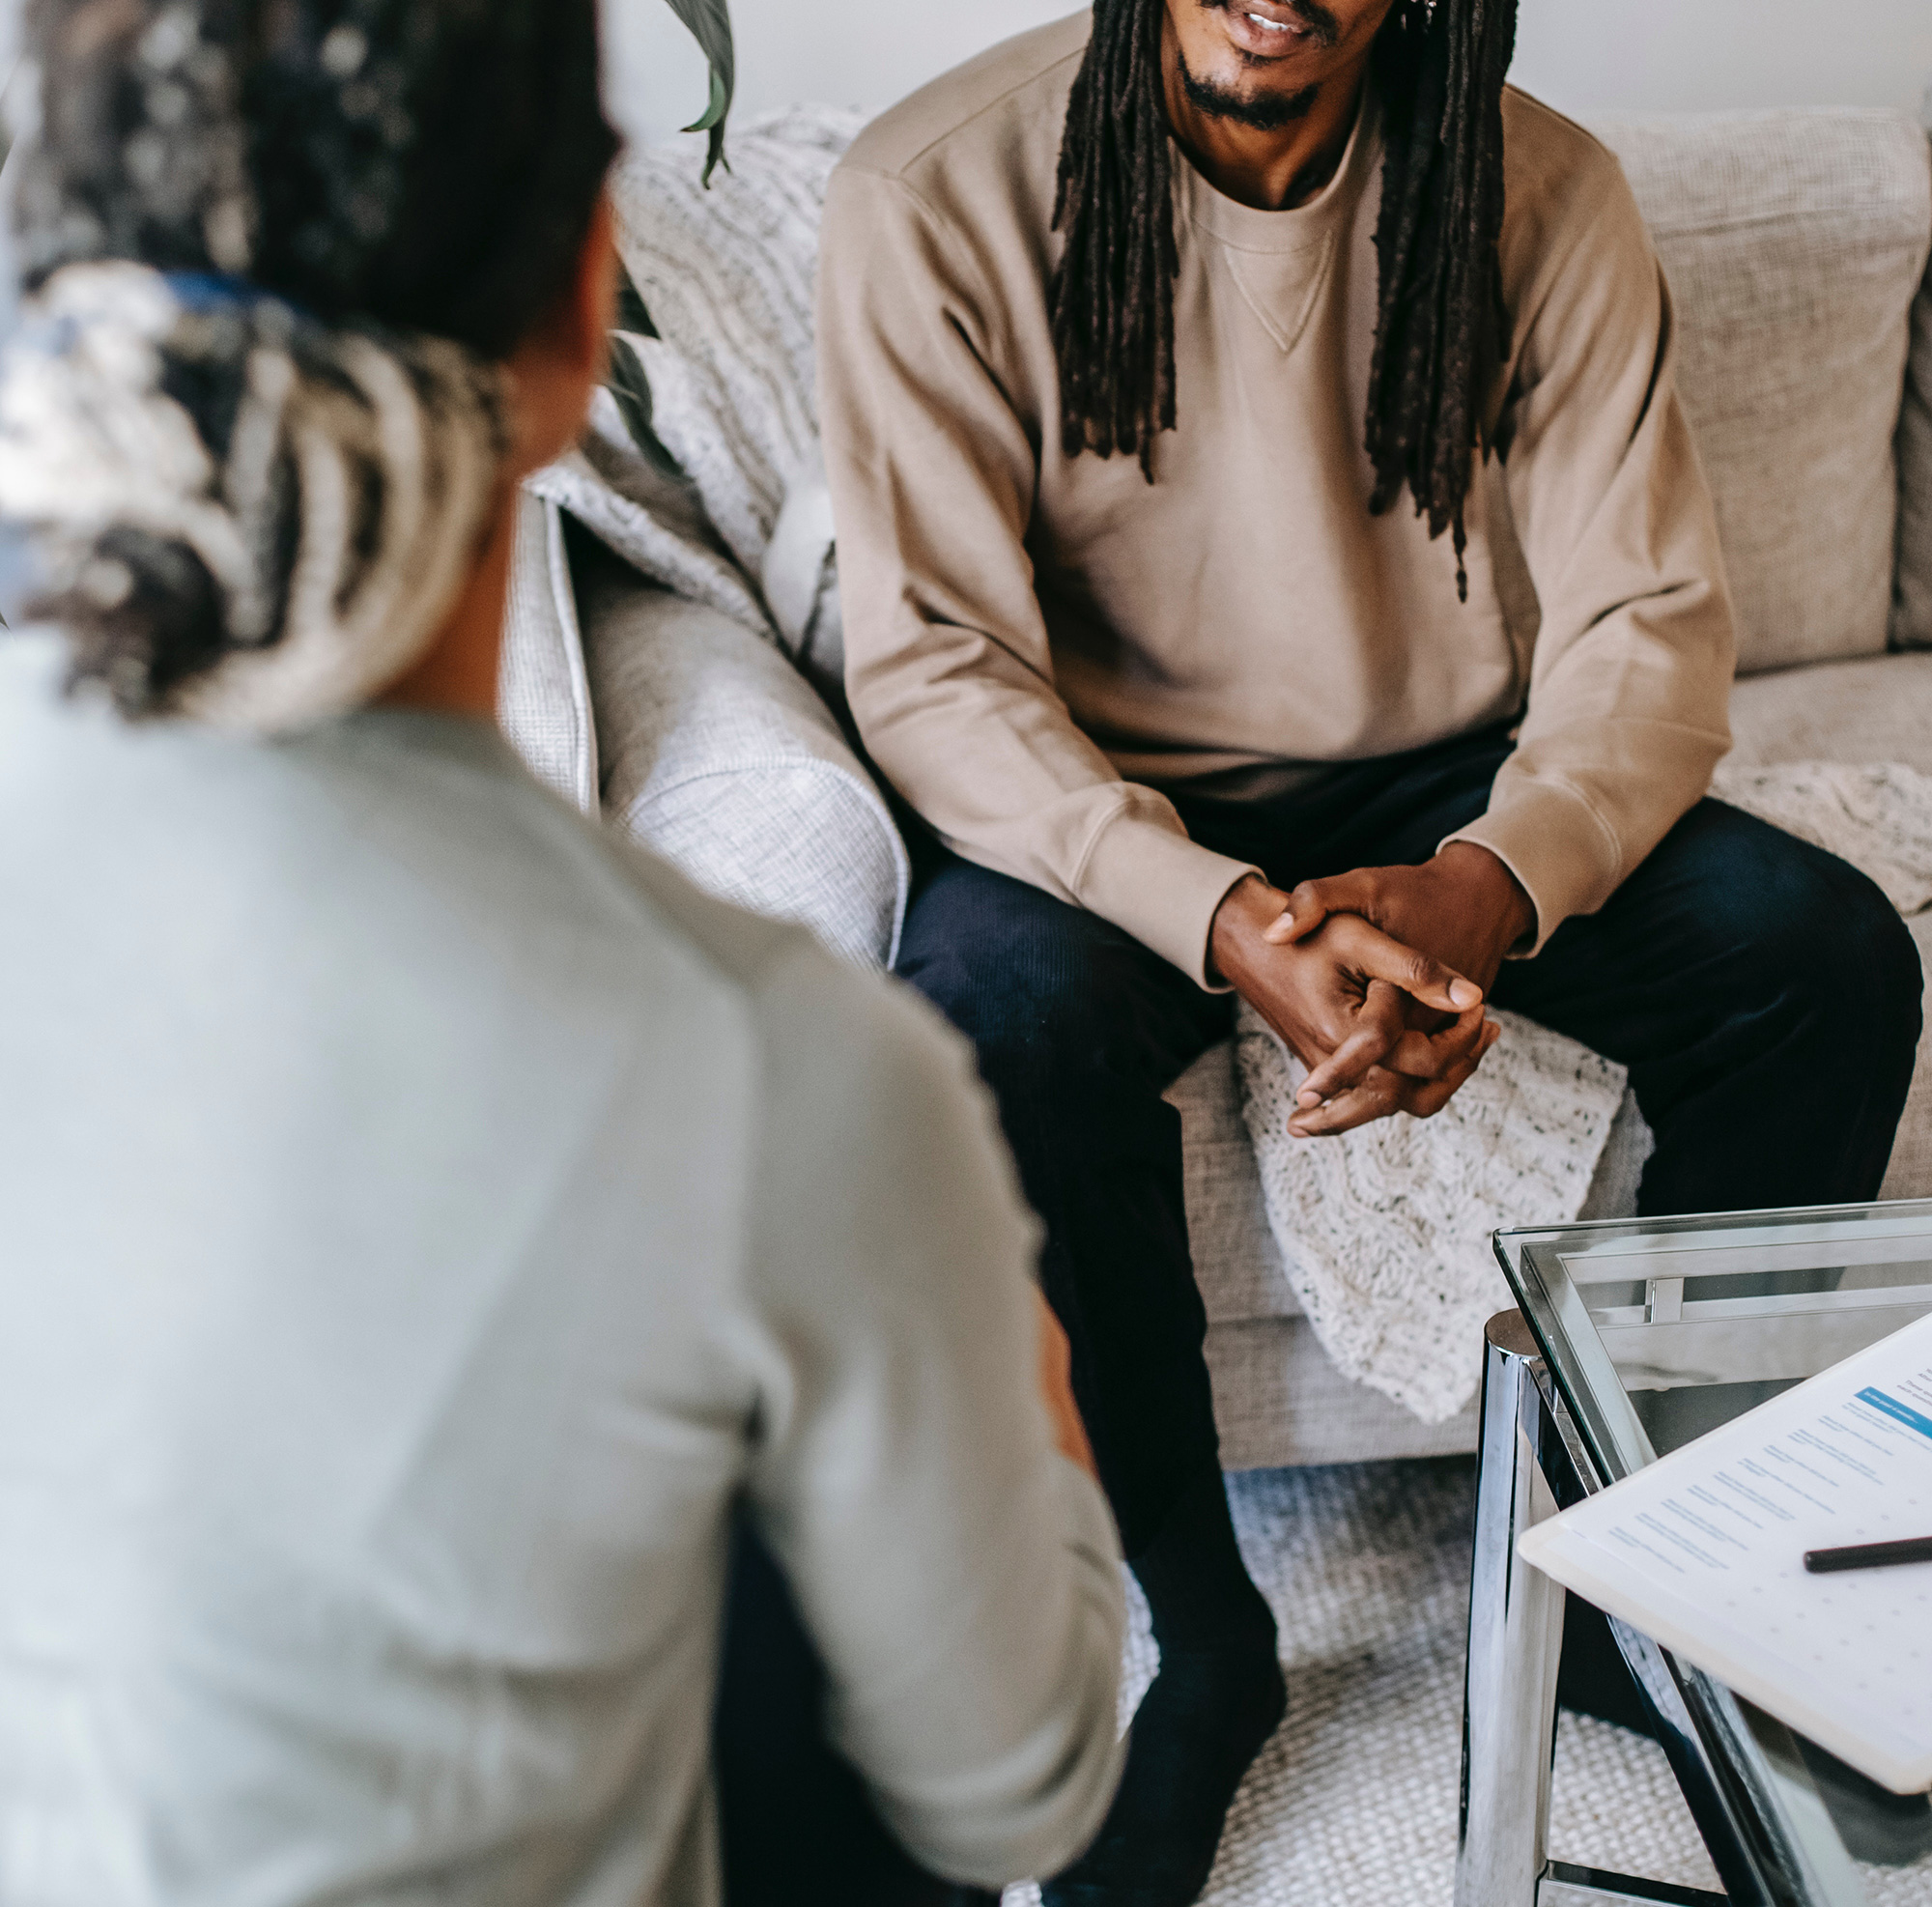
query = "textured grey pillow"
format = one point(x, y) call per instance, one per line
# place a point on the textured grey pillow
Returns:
point(1912, 597)
point(719, 757)
point(1794, 241)
point(543, 696)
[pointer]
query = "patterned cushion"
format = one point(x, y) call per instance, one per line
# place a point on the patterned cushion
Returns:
point(719, 757)
point(1235, 1259)
point(1795, 242)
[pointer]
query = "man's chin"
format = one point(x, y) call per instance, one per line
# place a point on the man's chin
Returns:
point(1261, 94)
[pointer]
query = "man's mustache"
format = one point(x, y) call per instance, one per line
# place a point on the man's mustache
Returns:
point(1325, 28)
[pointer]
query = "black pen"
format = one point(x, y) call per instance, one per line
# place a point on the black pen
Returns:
point(1870, 1556)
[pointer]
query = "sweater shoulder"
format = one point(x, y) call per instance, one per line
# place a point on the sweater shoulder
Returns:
point(982, 117)
point(1566, 203)
point(1553, 167)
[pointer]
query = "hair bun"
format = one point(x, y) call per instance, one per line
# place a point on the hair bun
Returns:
point(239, 514)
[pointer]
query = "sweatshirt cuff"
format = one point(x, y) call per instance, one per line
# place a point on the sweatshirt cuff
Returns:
point(1558, 846)
point(1148, 879)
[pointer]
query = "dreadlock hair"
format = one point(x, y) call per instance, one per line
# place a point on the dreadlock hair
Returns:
point(1440, 324)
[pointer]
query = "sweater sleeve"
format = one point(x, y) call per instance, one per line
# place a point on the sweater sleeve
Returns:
point(933, 471)
point(1631, 675)
point(961, 1577)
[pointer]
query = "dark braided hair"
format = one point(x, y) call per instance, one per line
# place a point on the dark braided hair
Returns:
point(430, 166)
point(1440, 324)
point(416, 174)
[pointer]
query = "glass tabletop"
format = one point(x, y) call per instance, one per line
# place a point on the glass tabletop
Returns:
point(1657, 1330)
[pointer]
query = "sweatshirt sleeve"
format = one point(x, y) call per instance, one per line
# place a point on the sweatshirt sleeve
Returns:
point(932, 472)
point(1631, 676)
point(960, 1578)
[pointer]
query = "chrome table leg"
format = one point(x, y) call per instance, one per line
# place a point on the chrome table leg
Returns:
point(1516, 1639)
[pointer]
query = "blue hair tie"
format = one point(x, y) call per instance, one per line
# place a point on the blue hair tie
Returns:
point(201, 292)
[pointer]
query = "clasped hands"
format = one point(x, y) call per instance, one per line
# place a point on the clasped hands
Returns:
point(1376, 978)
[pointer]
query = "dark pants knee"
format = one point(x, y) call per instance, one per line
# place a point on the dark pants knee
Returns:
point(1079, 1030)
point(1765, 996)
point(1842, 968)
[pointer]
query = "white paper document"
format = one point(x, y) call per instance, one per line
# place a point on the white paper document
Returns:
point(1704, 1551)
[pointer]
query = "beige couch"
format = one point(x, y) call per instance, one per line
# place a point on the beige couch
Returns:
point(1796, 244)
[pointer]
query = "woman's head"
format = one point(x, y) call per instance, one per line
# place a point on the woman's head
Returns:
point(293, 243)
point(424, 165)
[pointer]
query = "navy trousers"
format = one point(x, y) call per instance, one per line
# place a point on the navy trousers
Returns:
point(796, 1826)
point(1763, 994)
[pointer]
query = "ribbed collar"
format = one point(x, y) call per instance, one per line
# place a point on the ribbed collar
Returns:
point(1247, 229)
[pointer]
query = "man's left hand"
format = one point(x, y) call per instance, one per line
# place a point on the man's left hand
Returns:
point(1464, 907)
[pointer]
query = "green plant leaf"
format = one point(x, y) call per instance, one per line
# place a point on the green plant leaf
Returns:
point(631, 389)
point(710, 24)
point(632, 313)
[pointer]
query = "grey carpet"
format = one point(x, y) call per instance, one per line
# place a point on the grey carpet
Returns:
point(1352, 1804)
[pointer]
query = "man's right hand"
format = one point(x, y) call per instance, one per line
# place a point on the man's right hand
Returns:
point(1344, 994)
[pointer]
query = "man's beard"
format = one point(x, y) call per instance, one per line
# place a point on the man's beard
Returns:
point(1265, 112)
point(1268, 111)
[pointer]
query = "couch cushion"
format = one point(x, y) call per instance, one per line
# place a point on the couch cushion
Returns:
point(1794, 242)
point(1279, 1401)
point(717, 757)
point(1236, 1262)
point(1876, 710)
point(1911, 597)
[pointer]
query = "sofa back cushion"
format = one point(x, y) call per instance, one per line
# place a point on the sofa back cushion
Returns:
point(1911, 595)
point(1795, 242)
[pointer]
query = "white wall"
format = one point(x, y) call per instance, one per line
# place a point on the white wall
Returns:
point(1698, 55)
point(1627, 55)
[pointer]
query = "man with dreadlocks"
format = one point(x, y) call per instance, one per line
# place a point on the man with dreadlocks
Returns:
point(1159, 349)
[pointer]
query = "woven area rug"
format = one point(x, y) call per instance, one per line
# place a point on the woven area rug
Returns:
point(1353, 1802)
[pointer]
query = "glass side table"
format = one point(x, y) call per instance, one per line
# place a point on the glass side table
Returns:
point(1632, 1337)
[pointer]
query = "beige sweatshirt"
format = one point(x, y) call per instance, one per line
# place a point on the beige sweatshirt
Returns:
point(1035, 644)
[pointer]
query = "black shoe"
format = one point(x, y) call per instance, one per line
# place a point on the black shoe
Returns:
point(1198, 1729)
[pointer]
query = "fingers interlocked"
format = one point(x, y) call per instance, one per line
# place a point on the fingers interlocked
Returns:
point(1383, 1061)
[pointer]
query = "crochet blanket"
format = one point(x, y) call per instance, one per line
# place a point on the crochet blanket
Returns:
point(703, 471)
point(1385, 1232)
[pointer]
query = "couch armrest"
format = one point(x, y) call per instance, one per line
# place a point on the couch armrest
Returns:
point(719, 757)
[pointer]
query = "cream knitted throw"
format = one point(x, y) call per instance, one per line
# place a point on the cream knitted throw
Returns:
point(1385, 1232)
